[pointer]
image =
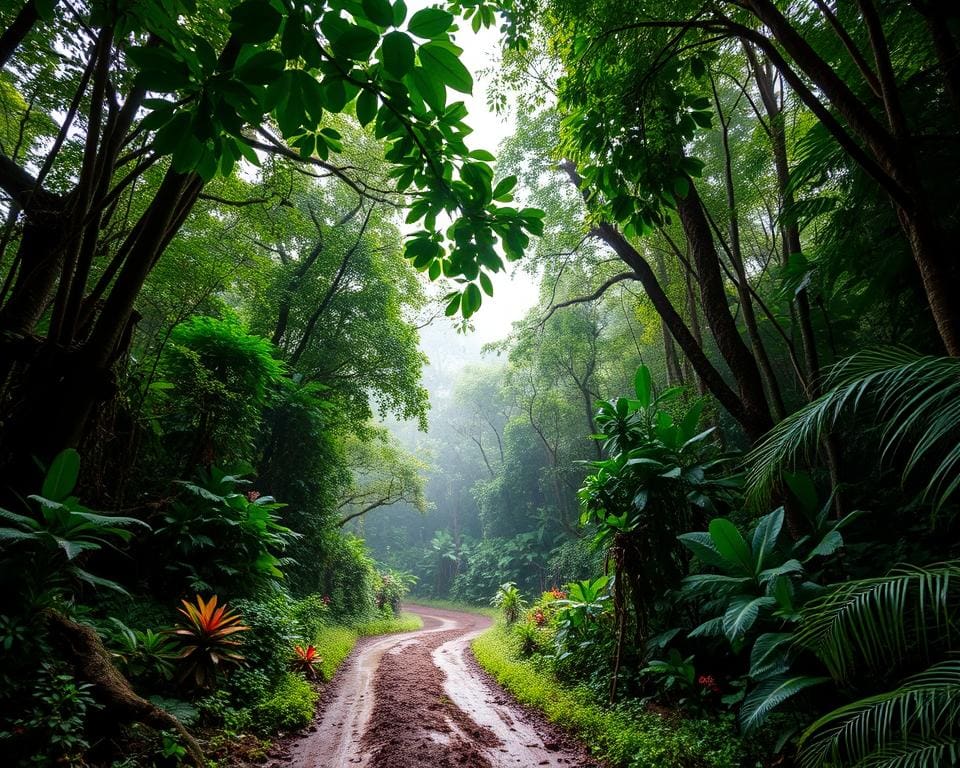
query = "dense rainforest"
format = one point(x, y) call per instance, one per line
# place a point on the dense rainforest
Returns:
point(708, 479)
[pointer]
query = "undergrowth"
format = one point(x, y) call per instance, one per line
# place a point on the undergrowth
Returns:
point(625, 739)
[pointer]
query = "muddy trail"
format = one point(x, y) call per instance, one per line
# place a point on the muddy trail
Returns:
point(419, 699)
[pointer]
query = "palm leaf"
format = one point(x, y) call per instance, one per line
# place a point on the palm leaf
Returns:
point(881, 620)
point(769, 695)
point(912, 397)
point(913, 725)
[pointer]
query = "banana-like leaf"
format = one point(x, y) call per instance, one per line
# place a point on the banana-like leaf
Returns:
point(770, 654)
point(765, 536)
point(731, 545)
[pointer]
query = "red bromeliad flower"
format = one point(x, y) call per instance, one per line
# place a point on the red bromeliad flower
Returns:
point(305, 659)
point(558, 594)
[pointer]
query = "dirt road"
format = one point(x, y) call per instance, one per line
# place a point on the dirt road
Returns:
point(418, 699)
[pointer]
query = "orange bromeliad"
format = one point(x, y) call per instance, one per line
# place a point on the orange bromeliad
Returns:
point(206, 639)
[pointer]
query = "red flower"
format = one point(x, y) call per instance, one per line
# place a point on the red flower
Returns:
point(325, 599)
point(539, 618)
point(252, 496)
point(558, 594)
point(707, 681)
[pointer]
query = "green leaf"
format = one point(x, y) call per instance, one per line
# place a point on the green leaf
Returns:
point(399, 12)
point(771, 694)
point(62, 476)
point(430, 89)
point(504, 186)
point(453, 306)
point(731, 545)
point(366, 107)
point(261, 68)
point(397, 54)
point(355, 43)
point(486, 284)
point(642, 386)
point(444, 65)
point(430, 22)
point(765, 536)
point(741, 615)
point(701, 544)
point(379, 12)
point(254, 21)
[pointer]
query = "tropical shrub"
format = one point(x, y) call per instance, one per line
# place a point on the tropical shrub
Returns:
point(661, 474)
point(222, 379)
point(206, 640)
point(392, 587)
point(274, 630)
point(227, 538)
point(42, 551)
point(143, 654)
point(289, 706)
point(509, 600)
point(304, 659)
point(51, 724)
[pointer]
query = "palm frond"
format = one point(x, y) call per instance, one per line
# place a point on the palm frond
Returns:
point(882, 620)
point(912, 397)
point(912, 725)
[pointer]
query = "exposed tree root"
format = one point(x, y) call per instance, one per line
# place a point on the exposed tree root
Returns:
point(82, 648)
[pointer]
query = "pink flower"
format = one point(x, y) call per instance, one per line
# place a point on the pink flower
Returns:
point(253, 496)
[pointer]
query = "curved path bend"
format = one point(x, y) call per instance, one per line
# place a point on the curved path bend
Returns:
point(419, 700)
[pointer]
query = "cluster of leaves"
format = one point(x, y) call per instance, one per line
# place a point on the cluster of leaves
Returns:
point(227, 538)
point(297, 63)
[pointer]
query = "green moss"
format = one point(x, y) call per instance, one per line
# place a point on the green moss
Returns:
point(625, 740)
point(454, 605)
point(290, 706)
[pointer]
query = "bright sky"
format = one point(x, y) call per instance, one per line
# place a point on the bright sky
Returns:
point(514, 292)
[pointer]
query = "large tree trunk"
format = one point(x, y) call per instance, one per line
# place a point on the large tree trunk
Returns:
point(723, 328)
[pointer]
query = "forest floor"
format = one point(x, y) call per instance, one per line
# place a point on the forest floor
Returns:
point(419, 699)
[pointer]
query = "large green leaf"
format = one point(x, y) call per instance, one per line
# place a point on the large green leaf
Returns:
point(765, 536)
point(642, 386)
point(701, 544)
point(731, 545)
point(430, 22)
point(441, 63)
point(62, 476)
point(742, 613)
point(397, 54)
point(254, 21)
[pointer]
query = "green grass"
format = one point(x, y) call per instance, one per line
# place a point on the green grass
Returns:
point(452, 605)
point(405, 622)
point(334, 643)
point(625, 740)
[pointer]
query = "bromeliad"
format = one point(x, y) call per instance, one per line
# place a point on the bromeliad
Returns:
point(206, 639)
point(305, 659)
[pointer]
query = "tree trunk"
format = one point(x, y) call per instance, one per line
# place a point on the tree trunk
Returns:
point(713, 296)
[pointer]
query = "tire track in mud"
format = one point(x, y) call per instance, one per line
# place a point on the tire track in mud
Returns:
point(418, 700)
